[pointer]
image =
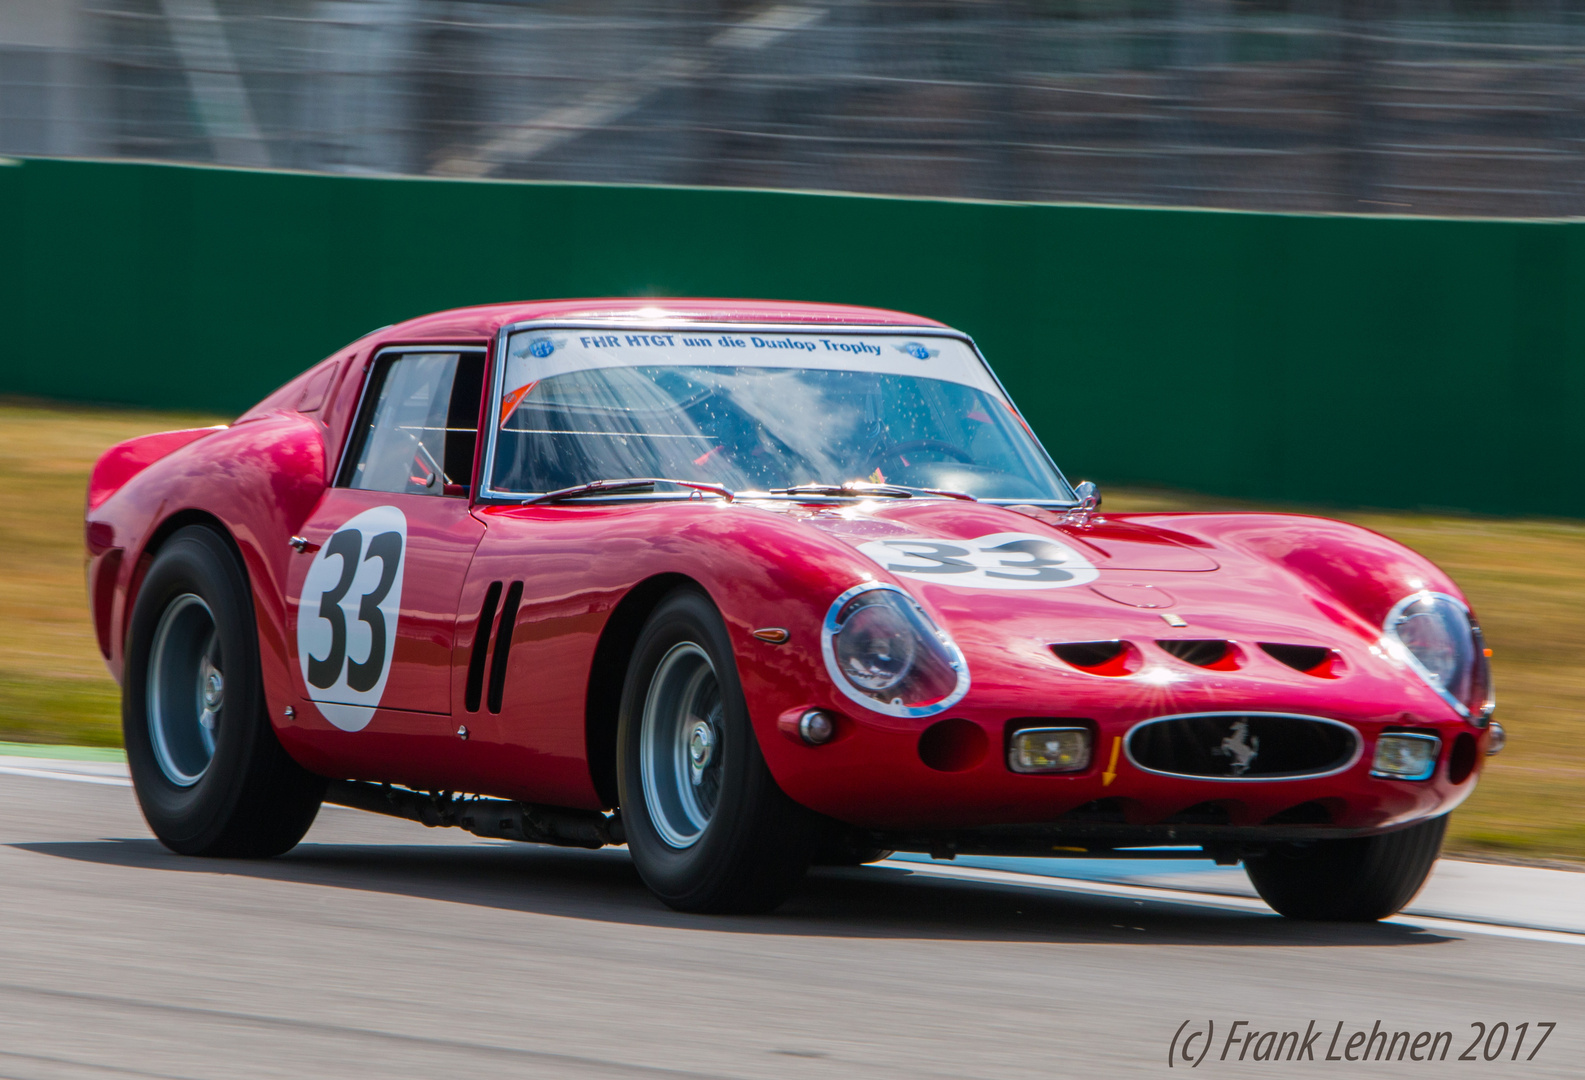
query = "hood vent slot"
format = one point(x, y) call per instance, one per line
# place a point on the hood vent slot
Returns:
point(1203, 652)
point(1098, 657)
point(1311, 659)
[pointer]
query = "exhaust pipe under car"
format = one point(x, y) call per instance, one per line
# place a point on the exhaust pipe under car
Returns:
point(497, 819)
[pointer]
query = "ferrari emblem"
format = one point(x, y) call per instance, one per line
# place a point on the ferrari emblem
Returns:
point(1238, 745)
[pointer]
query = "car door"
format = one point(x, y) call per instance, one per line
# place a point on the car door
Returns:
point(386, 553)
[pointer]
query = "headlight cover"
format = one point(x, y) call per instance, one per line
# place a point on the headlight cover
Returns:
point(1434, 635)
point(882, 651)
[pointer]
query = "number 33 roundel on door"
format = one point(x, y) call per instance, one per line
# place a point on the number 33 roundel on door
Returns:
point(346, 618)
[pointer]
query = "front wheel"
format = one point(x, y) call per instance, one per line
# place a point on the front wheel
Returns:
point(210, 776)
point(1357, 880)
point(708, 827)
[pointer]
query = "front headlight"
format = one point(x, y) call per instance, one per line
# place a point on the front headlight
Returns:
point(1434, 635)
point(885, 653)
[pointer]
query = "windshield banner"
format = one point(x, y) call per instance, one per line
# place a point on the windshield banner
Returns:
point(533, 355)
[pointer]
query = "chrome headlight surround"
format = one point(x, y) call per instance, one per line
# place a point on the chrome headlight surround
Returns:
point(933, 649)
point(1467, 687)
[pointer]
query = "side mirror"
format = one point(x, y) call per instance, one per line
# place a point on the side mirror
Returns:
point(1089, 495)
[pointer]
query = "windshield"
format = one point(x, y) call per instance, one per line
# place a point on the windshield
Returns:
point(758, 412)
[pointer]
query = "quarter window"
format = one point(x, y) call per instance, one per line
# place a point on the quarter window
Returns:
point(419, 425)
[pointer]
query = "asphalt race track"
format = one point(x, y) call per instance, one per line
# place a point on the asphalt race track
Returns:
point(381, 949)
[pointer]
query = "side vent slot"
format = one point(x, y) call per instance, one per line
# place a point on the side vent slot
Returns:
point(1212, 653)
point(503, 644)
point(481, 646)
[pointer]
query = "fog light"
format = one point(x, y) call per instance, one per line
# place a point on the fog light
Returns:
point(1405, 756)
point(1049, 750)
point(1496, 740)
point(816, 727)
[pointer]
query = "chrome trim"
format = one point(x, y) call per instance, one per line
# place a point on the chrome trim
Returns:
point(1498, 739)
point(1359, 748)
point(1482, 718)
point(1400, 651)
point(828, 629)
point(1088, 760)
point(363, 392)
point(1416, 737)
point(498, 377)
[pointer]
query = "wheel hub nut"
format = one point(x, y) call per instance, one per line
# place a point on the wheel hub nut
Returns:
point(214, 688)
point(701, 745)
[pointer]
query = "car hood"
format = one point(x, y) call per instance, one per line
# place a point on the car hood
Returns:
point(995, 575)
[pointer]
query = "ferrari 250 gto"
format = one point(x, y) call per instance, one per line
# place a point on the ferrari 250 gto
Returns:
point(750, 587)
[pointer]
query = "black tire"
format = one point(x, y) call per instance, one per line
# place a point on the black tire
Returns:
point(742, 845)
point(223, 786)
point(1359, 880)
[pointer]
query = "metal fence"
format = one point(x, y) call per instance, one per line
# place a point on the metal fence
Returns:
point(1396, 106)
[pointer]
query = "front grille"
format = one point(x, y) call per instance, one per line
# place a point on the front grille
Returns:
point(1243, 746)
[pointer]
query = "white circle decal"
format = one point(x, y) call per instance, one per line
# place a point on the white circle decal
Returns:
point(999, 561)
point(347, 616)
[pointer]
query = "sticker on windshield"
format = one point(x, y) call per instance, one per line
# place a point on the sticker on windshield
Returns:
point(347, 616)
point(534, 355)
point(999, 561)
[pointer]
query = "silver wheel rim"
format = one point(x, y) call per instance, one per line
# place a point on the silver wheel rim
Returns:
point(680, 749)
point(186, 690)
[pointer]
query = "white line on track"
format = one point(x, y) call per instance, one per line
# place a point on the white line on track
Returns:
point(88, 778)
point(1008, 877)
point(1234, 903)
point(52, 774)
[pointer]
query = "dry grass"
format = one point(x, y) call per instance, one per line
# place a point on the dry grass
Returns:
point(1526, 578)
point(53, 684)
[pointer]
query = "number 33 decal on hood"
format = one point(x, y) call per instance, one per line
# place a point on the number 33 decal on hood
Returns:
point(346, 619)
point(998, 561)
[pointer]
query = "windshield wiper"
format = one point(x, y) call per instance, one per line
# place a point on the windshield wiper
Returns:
point(945, 493)
point(861, 489)
point(623, 487)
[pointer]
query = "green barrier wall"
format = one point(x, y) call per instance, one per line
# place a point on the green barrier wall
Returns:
point(1354, 361)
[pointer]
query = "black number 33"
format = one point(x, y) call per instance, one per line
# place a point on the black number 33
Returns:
point(362, 675)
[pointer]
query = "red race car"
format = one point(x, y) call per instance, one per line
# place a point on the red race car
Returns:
point(751, 586)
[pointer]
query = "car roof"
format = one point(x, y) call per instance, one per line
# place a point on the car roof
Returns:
point(485, 320)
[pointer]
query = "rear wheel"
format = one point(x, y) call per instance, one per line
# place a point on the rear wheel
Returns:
point(210, 775)
point(1358, 880)
point(708, 828)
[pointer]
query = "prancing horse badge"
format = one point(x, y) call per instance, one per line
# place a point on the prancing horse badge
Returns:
point(1238, 745)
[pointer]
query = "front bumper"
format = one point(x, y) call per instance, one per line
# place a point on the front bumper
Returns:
point(880, 774)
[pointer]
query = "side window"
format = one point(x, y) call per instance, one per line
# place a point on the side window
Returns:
point(419, 423)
